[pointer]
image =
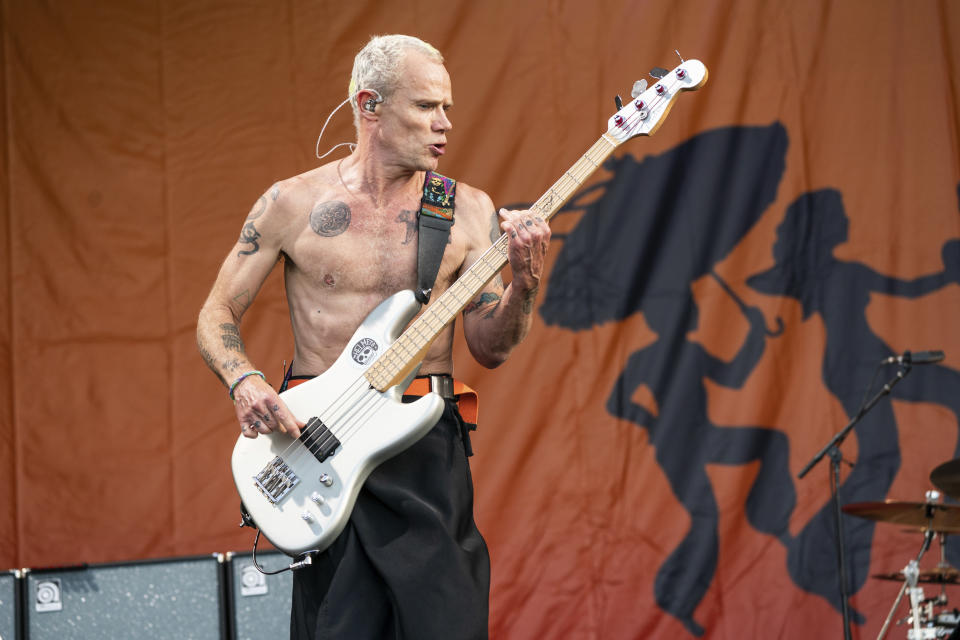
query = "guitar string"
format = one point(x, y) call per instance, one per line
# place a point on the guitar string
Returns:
point(577, 174)
point(351, 424)
point(354, 413)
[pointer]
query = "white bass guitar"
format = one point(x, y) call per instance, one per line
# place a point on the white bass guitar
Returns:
point(300, 493)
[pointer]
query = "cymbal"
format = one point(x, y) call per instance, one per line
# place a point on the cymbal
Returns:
point(920, 515)
point(937, 575)
point(946, 477)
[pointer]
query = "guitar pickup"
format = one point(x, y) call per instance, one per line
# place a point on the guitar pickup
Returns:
point(276, 480)
point(319, 439)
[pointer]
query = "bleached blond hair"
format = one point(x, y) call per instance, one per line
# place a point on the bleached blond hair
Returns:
point(377, 66)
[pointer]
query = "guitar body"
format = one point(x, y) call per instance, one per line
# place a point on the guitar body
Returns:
point(300, 492)
point(370, 425)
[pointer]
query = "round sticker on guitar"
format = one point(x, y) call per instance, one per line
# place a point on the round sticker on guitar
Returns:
point(364, 351)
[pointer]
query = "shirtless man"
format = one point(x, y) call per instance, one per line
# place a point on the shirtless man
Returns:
point(411, 563)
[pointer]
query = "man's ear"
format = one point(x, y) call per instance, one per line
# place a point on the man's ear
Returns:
point(367, 101)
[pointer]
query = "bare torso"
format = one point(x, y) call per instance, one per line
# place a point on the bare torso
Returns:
point(346, 234)
point(344, 254)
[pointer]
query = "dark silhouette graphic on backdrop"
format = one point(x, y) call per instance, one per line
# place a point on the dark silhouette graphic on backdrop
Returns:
point(806, 270)
point(660, 225)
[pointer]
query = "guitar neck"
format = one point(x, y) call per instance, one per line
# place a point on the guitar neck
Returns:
point(411, 347)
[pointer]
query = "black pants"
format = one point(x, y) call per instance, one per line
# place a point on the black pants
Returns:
point(410, 563)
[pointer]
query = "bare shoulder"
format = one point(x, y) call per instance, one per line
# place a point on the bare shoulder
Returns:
point(292, 195)
point(477, 215)
point(284, 207)
point(472, 201)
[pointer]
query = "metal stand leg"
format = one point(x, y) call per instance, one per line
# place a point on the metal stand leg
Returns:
point(910, 572)
point(836, 458)
point(893, 610)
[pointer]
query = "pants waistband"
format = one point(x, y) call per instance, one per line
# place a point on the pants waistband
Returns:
point(440, 384)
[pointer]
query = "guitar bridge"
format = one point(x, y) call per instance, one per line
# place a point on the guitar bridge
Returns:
point(276, 480)
point(319, 439)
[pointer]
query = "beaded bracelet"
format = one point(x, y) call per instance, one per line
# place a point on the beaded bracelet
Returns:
point(244, 376)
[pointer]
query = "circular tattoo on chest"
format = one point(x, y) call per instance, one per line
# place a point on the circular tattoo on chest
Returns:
point(330, 219)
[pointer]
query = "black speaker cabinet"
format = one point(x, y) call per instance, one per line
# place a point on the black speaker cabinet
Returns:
point(260, 603)
point(9, 605)
point(178, 598)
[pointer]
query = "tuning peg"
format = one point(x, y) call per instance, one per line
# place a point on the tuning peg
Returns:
point(619, 102)
point(638, 87)
point(658, 72)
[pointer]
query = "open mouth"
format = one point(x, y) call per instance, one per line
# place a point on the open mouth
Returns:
point(438, 149)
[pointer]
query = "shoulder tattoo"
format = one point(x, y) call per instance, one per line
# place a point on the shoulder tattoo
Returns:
point(249, 235)
point(258, 208)
point(330, 219)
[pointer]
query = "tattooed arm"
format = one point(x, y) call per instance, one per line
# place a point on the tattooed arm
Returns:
point(500, 317)
point(258, 407)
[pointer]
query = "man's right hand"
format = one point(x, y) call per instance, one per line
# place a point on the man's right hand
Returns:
point(260, 409)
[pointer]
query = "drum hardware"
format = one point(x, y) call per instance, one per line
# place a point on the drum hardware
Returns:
point(934, 519)
point(910, 576)
point(930, 515)
point(937, 575)
point(946, 477)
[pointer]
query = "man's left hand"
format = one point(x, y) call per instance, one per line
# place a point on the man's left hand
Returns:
point(529, 238)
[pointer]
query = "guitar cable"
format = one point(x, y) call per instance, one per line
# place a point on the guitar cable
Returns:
point(301, 561)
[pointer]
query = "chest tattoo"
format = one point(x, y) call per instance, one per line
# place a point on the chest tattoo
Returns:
point(329, 219)
point(408, 218)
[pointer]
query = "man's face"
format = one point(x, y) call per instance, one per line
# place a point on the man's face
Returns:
point(413, 121)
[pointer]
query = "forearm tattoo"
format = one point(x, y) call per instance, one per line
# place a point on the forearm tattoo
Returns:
point(249, 235)
point(408, 218)
point(230, 335)
point(208, 358)
point(528, 301)
point(330, 219)
point(485, 300)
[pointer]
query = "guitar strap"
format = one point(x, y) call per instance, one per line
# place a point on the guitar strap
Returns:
point(434, 222)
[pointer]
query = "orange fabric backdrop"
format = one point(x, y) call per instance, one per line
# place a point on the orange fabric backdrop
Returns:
point(137, 136)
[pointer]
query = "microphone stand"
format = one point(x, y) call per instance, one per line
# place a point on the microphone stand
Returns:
point(833, 449)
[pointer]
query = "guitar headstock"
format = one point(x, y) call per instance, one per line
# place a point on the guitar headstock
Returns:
point(643, 115)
